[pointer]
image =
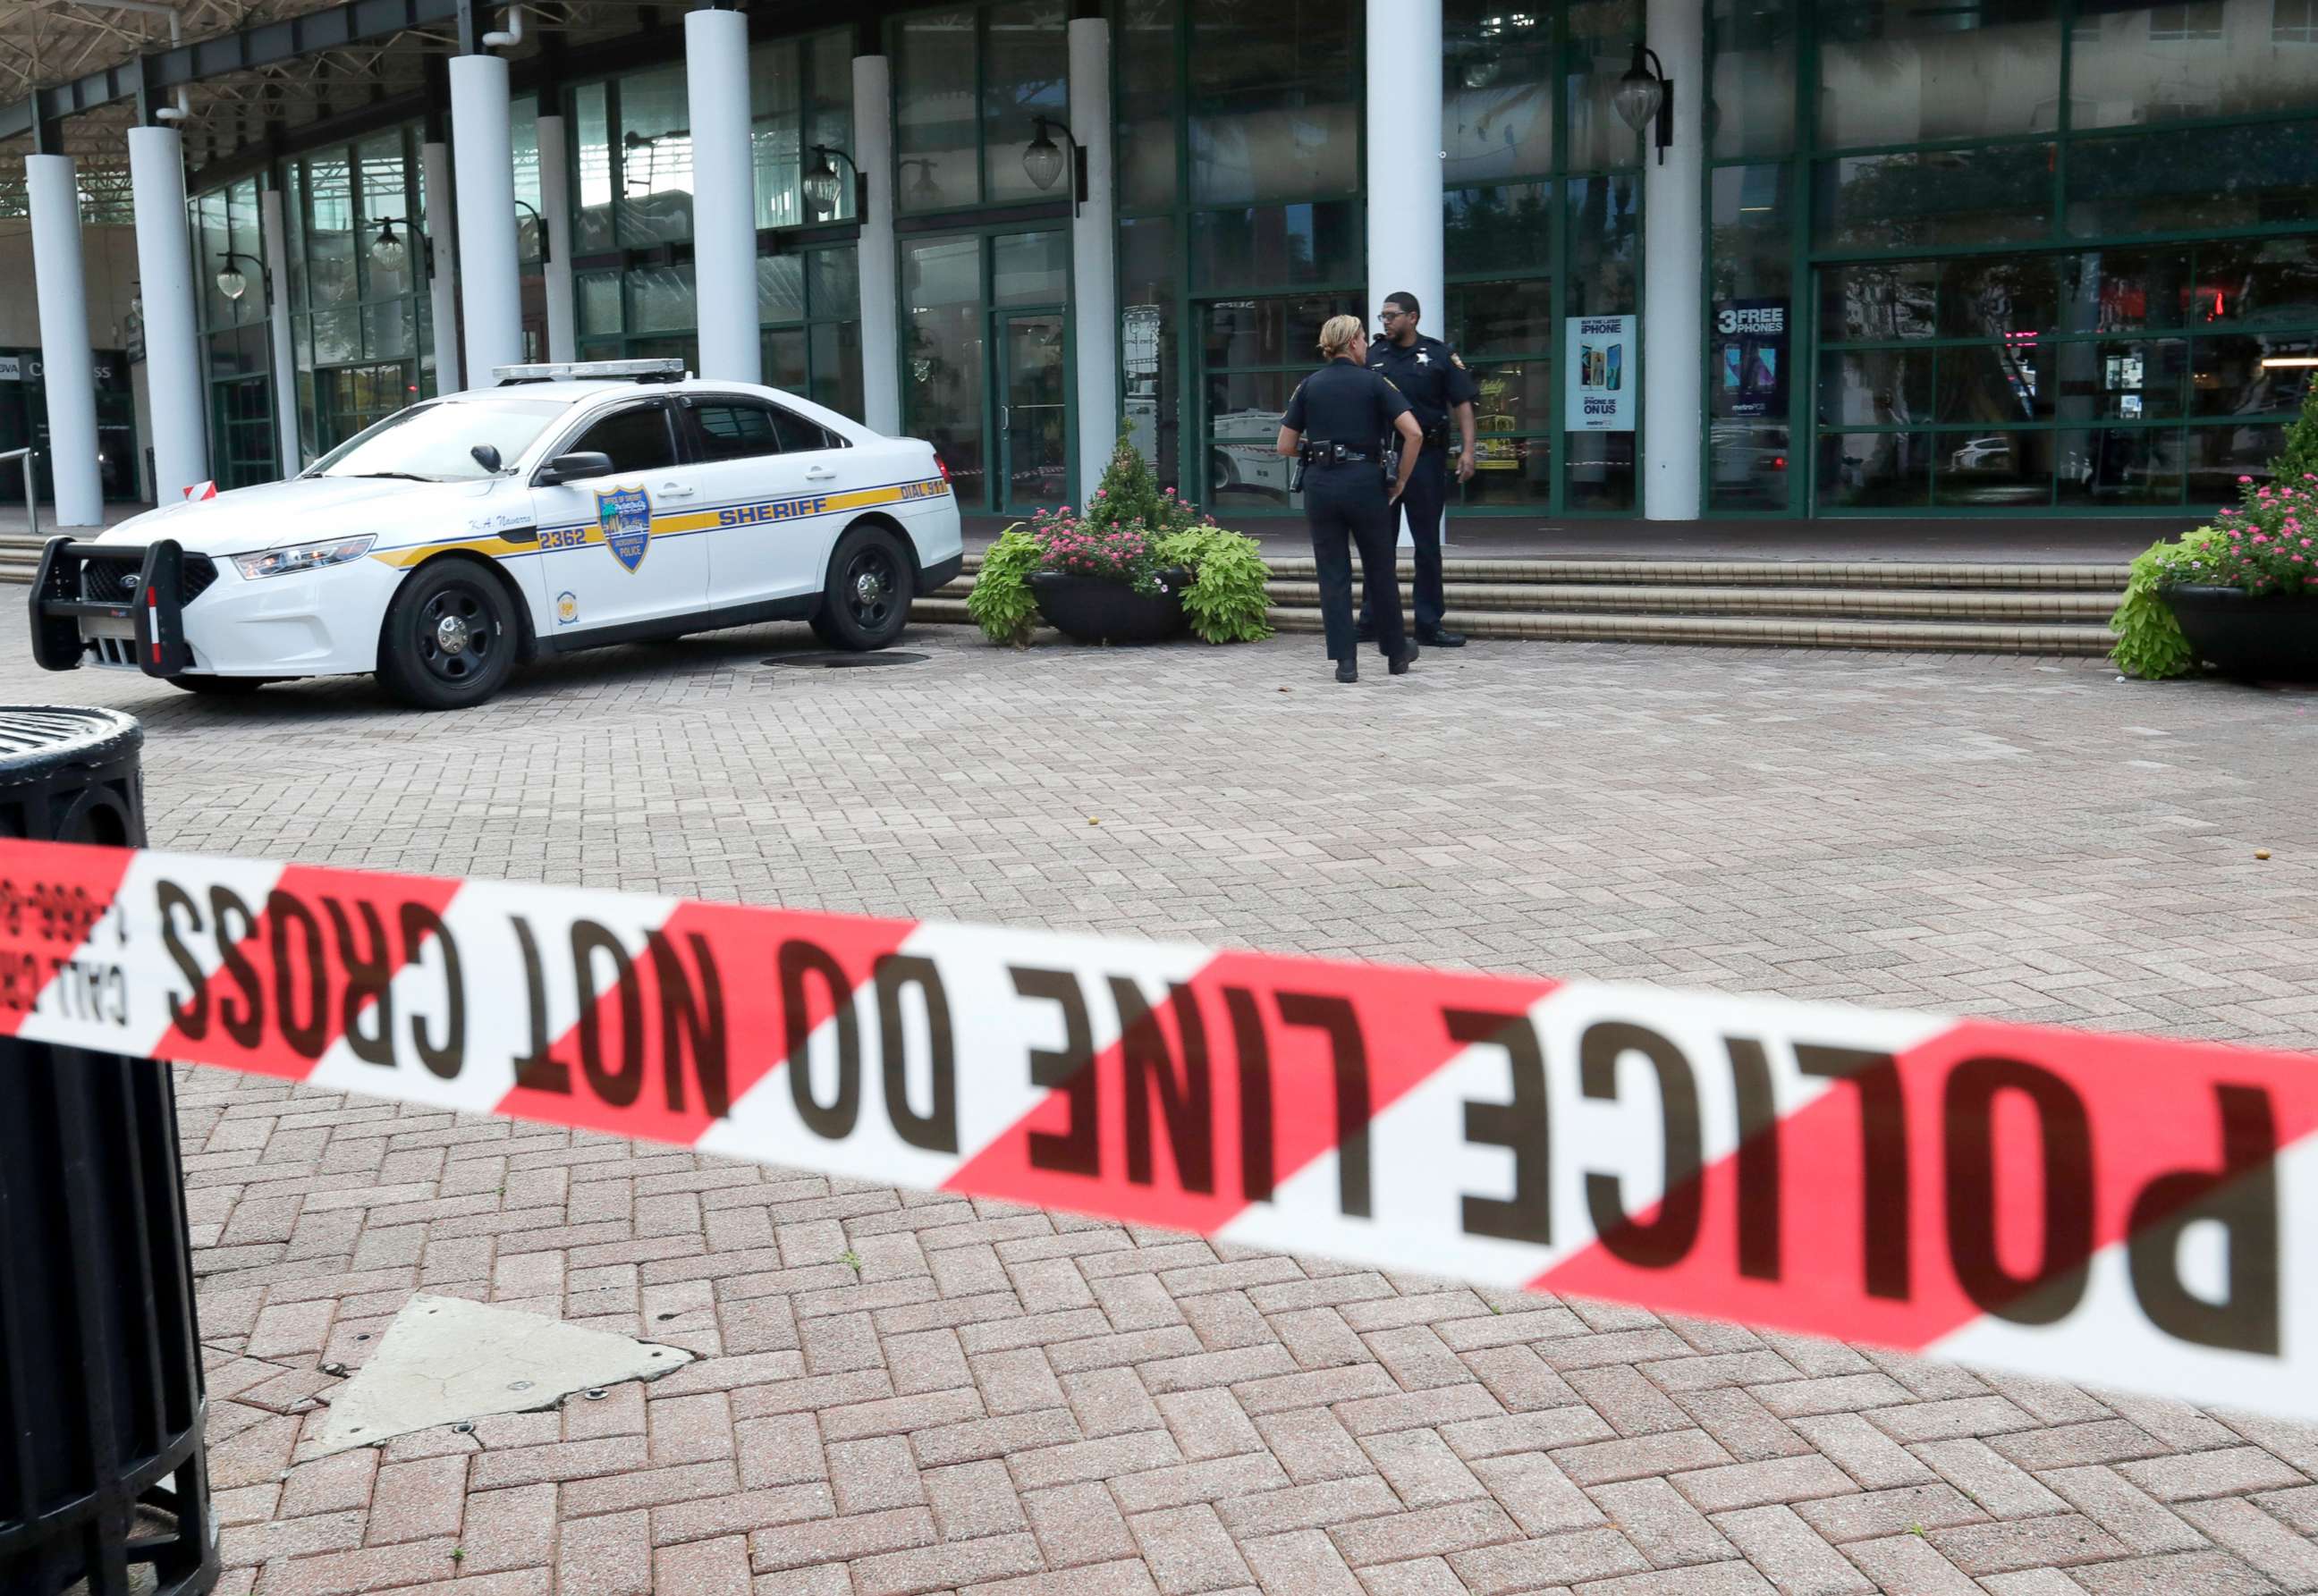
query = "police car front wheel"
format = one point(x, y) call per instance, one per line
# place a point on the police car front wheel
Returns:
point(866, 602)
point(450, 636)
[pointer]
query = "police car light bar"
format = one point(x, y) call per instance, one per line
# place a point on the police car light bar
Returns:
point(667, 370)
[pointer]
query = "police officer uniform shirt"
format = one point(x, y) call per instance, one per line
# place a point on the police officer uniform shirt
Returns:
point(1431, 378)
point(1341, 403)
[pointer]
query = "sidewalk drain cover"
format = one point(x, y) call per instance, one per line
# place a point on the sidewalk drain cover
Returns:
point(446, 1360)
point(843, 659)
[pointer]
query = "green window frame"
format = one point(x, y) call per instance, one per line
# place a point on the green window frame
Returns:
point(2042, 203)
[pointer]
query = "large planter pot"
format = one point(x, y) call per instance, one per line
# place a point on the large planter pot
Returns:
point(1089, 610)
point(2273, 638)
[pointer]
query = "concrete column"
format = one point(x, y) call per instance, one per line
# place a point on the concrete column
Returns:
point(1404, 151)
point(723, 196)
point(165, 272)
point(67, 366)
point(1094, 244)
point(556, 213)
point(482, 150)
point(877, 258)
point(1674, 312)
point(277, 316)
point(442, 292)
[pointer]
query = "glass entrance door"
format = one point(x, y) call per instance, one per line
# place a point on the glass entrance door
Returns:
point(354, 397)
point(241, 420)
point(1034, 380)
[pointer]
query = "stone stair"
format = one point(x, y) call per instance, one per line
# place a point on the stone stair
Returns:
point(1960, 606)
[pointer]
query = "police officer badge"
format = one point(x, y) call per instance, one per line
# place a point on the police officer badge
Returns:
point(626, 516)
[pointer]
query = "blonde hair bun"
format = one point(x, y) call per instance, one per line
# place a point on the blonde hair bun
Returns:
point(1337, 333)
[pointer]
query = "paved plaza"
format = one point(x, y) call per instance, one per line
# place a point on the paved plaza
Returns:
point(1007, 1400)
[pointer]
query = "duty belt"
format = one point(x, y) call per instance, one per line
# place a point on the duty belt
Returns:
point(1319, 452)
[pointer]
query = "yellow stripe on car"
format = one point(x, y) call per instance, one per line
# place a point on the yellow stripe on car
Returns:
point(789, 507)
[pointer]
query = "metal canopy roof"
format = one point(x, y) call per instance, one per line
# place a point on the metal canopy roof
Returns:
point(75, 75)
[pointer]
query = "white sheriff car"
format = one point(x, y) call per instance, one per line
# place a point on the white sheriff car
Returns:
point(572, 506)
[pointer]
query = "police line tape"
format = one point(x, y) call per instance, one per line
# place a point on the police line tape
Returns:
point(2107, 1210)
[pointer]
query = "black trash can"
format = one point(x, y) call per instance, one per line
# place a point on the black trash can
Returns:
point(103, 1487)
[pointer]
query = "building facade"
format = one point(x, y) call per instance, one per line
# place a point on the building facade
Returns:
point(2018, 256)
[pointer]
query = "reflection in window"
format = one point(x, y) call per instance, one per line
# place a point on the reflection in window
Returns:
point(1752, 49)
point(1146, 90)
point(935, 125)
point(1274, 107)
point(943, 356)
point(1497, 86)
point(654, 159)
point(1149, 335)
point(2130, 66)
point(1895, 71)
point(1025, 74)
point(592, 223)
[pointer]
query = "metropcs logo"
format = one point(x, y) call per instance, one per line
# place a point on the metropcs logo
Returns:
point(1753, 319)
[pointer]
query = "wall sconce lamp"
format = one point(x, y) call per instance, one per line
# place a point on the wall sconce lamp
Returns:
point(387, 251)
point(538, 227)
point(923, 190)
point(1645, 94)
point(1043, 160)
point(824, 183)
point(231, 281)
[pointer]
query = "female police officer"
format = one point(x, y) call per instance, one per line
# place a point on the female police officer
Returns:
point(1336, 423)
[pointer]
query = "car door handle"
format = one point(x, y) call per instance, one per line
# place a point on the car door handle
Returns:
point(676, 490)
point(819, 474)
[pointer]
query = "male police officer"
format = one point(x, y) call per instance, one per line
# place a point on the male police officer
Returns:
point(1438, 388)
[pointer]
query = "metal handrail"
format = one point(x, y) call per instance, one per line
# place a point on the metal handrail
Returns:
point(31, 492)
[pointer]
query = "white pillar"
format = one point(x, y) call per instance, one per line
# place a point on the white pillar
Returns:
point(276, 247)
point(443, 293)
point(1674, 314)
point(173, 339)
point(724, 196)
point(67, 366)
point(555, 215)
point(482, 150)
point(876, 257)
point(1403, 146)
point(1094, 236)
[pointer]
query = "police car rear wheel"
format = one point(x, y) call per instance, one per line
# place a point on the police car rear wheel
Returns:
point(450, 640)
point(867, 602)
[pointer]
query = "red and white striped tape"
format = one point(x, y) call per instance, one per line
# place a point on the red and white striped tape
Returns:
point(2109, 1210)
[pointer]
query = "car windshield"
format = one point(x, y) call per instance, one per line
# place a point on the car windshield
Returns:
point(436, 443)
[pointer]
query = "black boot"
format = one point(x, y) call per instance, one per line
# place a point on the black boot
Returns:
point(1402, 661)
point(1348, 670)
point(1440, 637)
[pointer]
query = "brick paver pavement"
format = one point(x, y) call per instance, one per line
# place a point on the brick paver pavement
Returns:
point(1006, 1400)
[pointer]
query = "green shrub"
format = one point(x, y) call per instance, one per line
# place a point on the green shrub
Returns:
point(2149, 641)
point(2298, 464)
point(1230, 590)
point(1000, 600)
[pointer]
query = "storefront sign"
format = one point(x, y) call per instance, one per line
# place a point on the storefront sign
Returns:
point(12, 368)
point(1750, 342)
point(1599, 394)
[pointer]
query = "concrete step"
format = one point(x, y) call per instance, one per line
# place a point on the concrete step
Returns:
point(1727, 573)
point(1862, 603)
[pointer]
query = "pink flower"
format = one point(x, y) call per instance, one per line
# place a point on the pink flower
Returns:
point(2245, 479)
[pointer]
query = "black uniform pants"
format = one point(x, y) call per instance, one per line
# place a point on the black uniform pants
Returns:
point(1345, 506)
point(1424, 498)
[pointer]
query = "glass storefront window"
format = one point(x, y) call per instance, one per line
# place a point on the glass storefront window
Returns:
point(800, 96)
point(1025, 74)
point(1752, 50)
point(943, 354)
point(1601, 34)
point(1750, 338)
point(1505, 228)
point(1030, 268)
point(1273, 244)
point(2133, 64)
point(1606, 247)
point(2195, 180)
point(1898, 72)
point(936, 124)
point(1496, 91)
point(1145, 144)
point(1921, 198)
point(592, 169)
point(1274, 111)
point(654, 159)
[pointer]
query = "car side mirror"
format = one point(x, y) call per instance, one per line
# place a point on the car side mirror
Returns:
point(485, 455)
point(571, 467)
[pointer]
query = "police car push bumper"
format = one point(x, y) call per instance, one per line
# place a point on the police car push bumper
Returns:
point(152, 606)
